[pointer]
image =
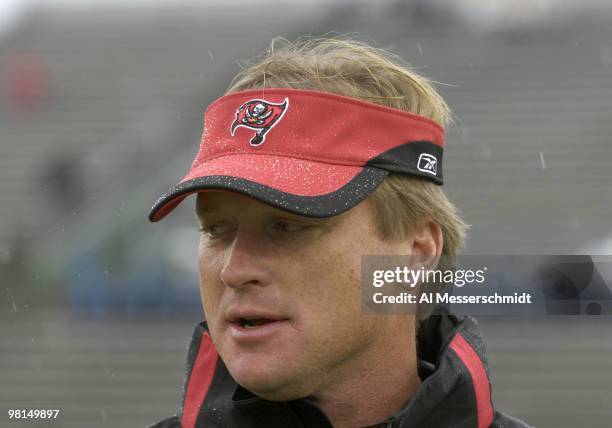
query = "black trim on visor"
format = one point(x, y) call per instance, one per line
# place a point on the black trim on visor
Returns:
point(420, 158)
point(330, 204)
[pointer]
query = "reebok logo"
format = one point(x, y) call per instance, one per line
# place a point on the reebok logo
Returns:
point(428, 163)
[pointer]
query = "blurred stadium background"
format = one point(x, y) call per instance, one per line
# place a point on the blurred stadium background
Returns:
point(100, 111)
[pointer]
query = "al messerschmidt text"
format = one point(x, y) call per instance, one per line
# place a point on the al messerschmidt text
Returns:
point(447, 298)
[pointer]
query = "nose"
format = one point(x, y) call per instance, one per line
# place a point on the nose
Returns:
point(244, 263)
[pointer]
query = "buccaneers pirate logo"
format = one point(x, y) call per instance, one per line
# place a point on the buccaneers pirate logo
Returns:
point(260, 116)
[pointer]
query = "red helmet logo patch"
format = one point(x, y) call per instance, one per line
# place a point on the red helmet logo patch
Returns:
point(260, 116)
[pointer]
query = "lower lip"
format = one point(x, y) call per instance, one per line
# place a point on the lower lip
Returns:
point(256, 333)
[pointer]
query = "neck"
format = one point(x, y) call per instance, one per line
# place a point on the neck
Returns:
point(376, 387)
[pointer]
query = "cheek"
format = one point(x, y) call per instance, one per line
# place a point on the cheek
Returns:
point(335, 328)
point(210, 284)
point(331, 291)
point(334, 276)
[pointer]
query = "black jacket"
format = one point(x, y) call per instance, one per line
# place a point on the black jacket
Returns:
point(455, 392)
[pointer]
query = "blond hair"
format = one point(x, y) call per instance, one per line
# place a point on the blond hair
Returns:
point(357, 70)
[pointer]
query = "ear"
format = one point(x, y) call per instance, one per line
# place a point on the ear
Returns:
point(427, 239)
point(427, 243)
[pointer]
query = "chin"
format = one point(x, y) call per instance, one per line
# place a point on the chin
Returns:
point(271, 392)
point(256, 377)
point(267, 381)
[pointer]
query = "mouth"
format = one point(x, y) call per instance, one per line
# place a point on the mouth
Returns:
point(254, 322)
point(252, 325)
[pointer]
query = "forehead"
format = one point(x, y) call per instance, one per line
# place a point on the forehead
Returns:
point(218, 201)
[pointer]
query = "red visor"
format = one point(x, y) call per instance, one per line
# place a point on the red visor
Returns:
point(312, 153)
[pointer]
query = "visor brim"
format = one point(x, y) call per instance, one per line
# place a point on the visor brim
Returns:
point(302, 187)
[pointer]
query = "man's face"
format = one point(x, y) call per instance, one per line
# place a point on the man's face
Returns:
point(282, 293)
